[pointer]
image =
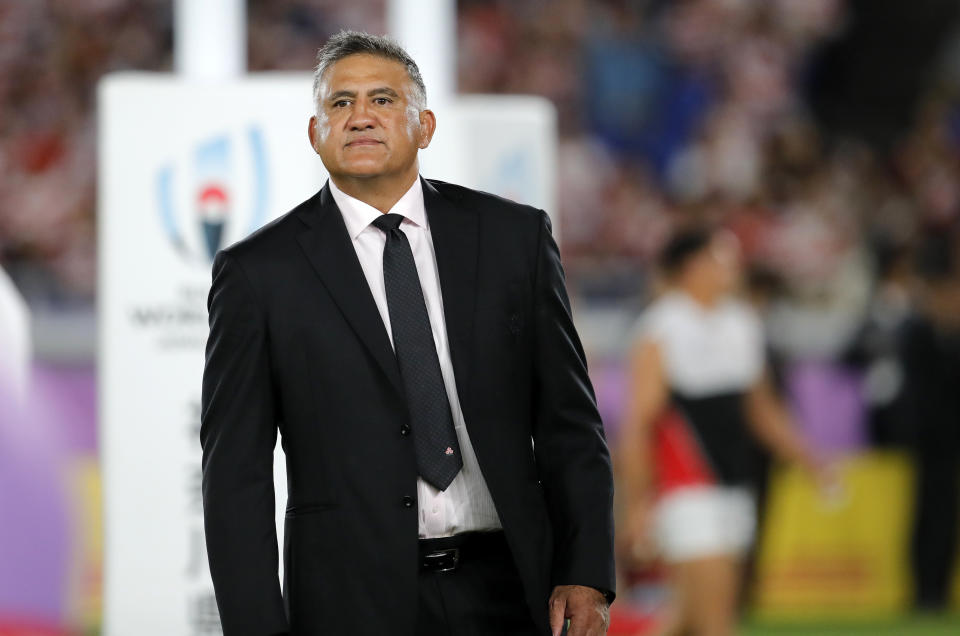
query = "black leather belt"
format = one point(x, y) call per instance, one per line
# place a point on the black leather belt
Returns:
point(445, 554)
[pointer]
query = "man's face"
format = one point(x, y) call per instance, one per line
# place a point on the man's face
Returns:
point(367, 123)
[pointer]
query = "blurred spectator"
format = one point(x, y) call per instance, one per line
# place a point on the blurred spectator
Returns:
point(700, 399)
point(876, 351)
point(931, 361)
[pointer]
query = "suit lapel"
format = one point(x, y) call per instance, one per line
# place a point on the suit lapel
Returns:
point(455, 231)
point(327, 246)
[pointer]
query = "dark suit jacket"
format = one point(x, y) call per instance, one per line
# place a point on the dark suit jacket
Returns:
point(297, 345)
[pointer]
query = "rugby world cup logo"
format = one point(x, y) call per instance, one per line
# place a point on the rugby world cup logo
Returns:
point(214, 195)
point(213, 206)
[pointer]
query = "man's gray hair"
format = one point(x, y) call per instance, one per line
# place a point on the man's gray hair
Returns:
point(347, 43)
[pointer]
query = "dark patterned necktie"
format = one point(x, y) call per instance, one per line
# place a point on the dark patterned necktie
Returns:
point(434, 437)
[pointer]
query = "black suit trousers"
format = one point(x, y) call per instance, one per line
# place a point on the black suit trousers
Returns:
point(479, 598)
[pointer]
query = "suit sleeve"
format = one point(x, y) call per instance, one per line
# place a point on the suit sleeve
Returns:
point(238, 433)
point(569, 443)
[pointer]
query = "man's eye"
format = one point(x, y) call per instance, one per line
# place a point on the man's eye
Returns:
point(341, 103)
point(382, 101)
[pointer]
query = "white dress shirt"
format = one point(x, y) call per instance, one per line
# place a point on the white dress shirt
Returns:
point(466, 504)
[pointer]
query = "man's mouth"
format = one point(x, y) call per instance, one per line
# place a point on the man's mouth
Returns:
point(364, 141)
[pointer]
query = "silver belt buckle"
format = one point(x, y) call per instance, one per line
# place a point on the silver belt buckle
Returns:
point(442, 560)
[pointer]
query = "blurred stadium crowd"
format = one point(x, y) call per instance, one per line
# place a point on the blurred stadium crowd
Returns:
point(52, 53)
point(739, 112)
point(824, 133)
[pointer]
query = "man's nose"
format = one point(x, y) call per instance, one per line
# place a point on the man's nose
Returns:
point(362, 117)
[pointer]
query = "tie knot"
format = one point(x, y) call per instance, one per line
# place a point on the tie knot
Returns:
point(387, 222)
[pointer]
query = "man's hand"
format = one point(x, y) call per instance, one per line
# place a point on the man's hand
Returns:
point(586, 608)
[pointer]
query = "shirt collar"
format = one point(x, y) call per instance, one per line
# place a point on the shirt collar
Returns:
point(358, 215)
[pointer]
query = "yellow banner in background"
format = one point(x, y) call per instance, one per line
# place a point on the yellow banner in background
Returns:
point(841, 555)
point(85, 596)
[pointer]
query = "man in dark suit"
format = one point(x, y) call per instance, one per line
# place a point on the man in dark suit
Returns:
point(411, 341)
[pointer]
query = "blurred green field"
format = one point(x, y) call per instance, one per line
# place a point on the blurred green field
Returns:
point(914, 626)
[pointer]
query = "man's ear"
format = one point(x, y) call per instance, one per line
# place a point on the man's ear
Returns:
point(428, 124)
point(312, 133)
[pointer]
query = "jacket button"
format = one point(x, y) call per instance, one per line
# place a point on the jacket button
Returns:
point(405, 430)
point(407, 501)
